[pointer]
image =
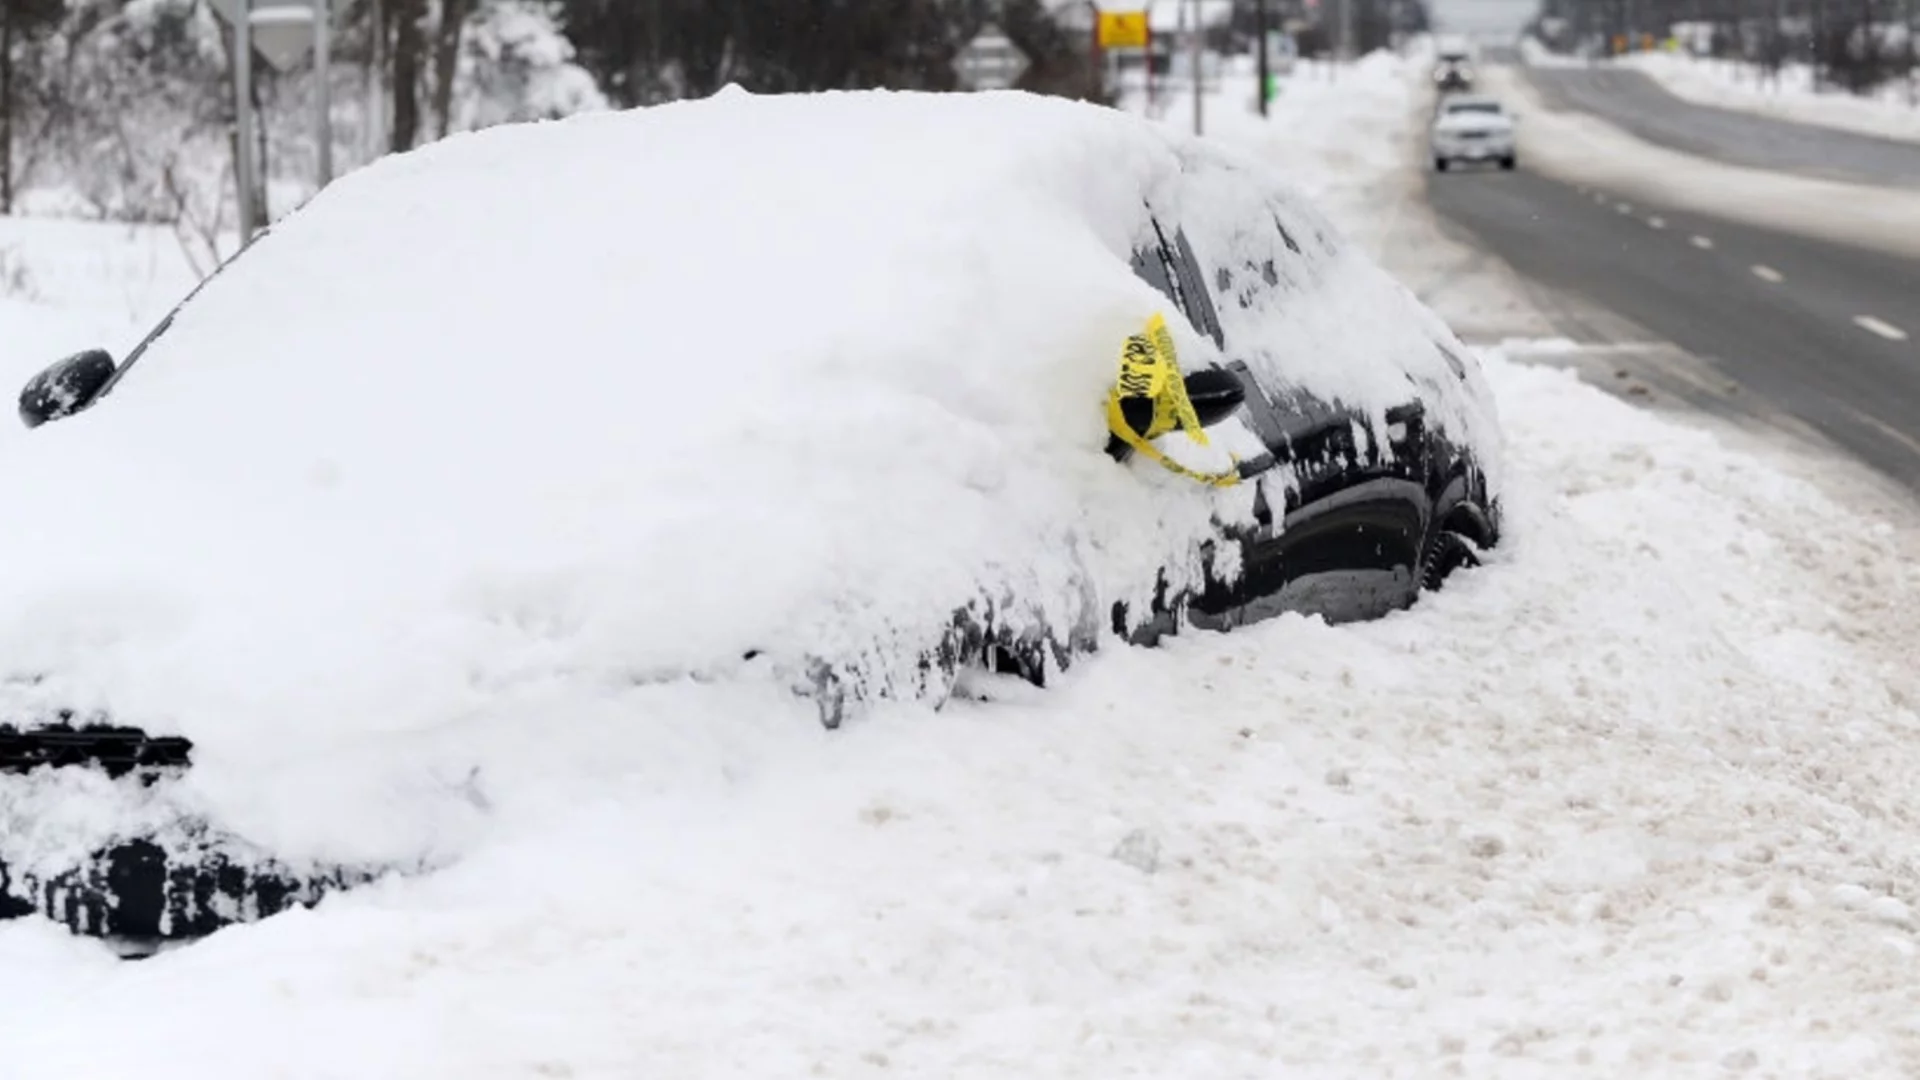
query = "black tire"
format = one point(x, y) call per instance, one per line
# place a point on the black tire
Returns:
point(1439, 164)
point(1508, 162)
point(1447, 552)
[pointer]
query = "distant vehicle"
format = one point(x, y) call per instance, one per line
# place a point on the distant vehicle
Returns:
point(1473, 129)
point(697, 396)
point(1453, 65)
point(1453, 75)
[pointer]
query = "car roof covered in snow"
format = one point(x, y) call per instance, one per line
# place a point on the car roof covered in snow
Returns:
point(628, 398)
point(664, 383)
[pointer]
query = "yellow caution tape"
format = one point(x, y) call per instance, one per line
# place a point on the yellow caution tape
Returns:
point(1149, 369)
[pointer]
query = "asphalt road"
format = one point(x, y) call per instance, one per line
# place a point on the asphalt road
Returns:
point(1633, 101)
point(1826, 335)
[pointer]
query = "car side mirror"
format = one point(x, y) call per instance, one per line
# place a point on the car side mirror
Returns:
point(65, 387)
point(1215, 394)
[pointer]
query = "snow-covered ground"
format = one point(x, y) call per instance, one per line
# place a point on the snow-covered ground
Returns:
point(1890, 112)
point(1630, 800)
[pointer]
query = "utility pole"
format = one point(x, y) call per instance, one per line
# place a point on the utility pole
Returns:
point(245, 181)
point(1819, 30)
point(1266, 72)
point(323, 92)
point(1906, 21)
point(377, 85)
point(1193, 45)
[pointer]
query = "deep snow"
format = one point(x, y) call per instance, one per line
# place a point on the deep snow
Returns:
point(1631, 800)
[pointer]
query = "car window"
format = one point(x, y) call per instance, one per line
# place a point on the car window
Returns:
point(1150, 266)
point(1474, 107)
point(1194, 283)
point(140, 350)
point(1172, 269)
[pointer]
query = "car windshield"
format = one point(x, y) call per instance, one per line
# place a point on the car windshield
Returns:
point(1474, 107)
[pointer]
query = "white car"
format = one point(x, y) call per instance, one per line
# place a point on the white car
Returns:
point(1472, 128)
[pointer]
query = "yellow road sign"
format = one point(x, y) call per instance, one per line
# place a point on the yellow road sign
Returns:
point(1124, 30)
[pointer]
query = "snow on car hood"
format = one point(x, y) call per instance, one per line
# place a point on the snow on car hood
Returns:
point(503, 430)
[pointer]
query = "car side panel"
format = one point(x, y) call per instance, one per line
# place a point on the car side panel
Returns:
point(1352, 503)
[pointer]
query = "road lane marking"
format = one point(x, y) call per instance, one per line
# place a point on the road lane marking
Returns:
point(1891, 432)
point(1704, 243)
point(1768, 273)
point(1879, 326)
point(1656, 223)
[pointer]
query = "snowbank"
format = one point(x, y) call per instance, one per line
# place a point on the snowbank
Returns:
point(1632, 799)
point(1629, 801)
point(1888, 113)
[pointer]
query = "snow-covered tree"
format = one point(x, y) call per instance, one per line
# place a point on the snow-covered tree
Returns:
point(518, 66)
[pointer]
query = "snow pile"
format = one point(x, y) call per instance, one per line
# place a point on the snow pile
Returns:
point(1631, 800)
point(756, 383)
point(1888, 113)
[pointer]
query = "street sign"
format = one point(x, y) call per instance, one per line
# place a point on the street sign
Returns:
point(283, 30)
point(1124, 30)
point(284, 33)
point(991, 61)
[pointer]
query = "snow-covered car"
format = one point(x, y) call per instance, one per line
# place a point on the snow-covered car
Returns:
point(497, 456)
point(1473, 128)
point(1453, 75)
point(1453, 64)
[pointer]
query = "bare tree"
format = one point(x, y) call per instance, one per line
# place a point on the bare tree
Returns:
point(446, 62)
point(19, 21)
point(408, 45)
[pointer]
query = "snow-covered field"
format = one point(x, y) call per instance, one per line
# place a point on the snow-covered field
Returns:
point(1632, 800)
point(1890, 112)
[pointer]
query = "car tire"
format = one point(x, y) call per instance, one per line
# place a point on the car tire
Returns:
point(1447, 552)
point(1439, 164)
point(1508, 162)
